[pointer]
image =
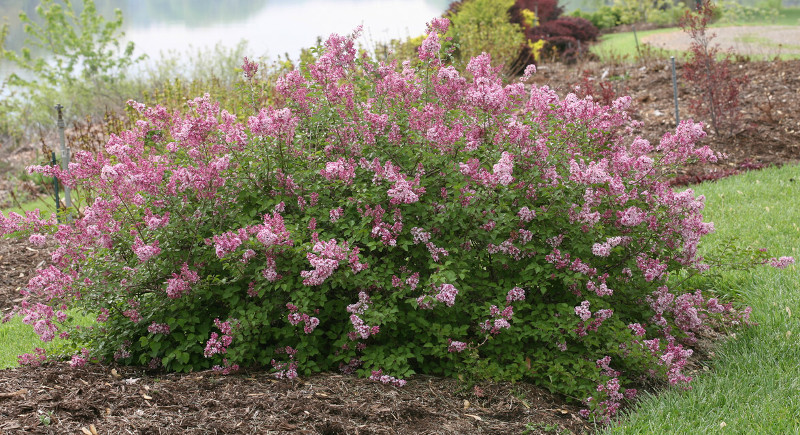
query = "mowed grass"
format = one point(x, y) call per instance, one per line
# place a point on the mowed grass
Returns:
point(17, 338)
point(753, 386)
point(616, 47)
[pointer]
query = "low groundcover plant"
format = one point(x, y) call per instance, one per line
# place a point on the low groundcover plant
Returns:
point(385, 220)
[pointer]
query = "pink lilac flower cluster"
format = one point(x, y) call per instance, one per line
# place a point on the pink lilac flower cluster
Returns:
point(456, 346)
point(295, 317)
point(378, 376)
point(446, 294)
point(144, 251)
point(325, 259)
point(362, 330)
point(342, 169)
point(781, 263)
point(159, 328)
point(34, 359)
point(180, 284)
point(286, 370)
point(361, 306)
point(217, 344)
point(249, 68)
point(501, 318)
point(79, 360)
point(226, 368)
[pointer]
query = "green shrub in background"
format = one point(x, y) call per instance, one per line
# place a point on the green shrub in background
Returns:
point(659, 12)
point(483, 26)
point(85, 69)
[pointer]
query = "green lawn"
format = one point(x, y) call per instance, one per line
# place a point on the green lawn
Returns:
point(622, 46)
point(753, 386)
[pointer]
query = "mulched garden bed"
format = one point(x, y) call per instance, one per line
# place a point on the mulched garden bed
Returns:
point(108, 399)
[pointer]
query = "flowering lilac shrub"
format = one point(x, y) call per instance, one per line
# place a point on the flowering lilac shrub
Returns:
point(386, 220)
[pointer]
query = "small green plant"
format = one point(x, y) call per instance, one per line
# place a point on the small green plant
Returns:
point(82, 64)
point(45, 417)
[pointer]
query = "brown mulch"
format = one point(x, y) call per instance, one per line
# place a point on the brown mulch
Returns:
point(108, 399)
point(127, 400)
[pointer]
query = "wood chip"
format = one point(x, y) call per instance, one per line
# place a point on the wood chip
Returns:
point(146, 397)
point(86, 431)
point(476, 417)
point(93, 429)
point(13, 394)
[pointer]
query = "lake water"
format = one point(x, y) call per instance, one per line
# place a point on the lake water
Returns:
point(271, 27)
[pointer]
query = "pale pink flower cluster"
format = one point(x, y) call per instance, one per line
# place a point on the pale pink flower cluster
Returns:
point(180, 284)
point(781, 263)
point(226, 243)
point(604, 249)
point(361, 306)
point(601, 290)
point(280, 123)
point(287, 370)
point(133, 315)
point(507, 247)
point(325, 259)
point(604, 364)
point(219, 344)
point(638, 329)
point(650, 267)
point(295, 317)
point(583, 311)
point(430, 47)
point(420, 235)
point(144, 251)
point(37, 239)
point(272, 232)
point(456, 346)
point(447, 294)
point(631, 216)
point(609, 407)
point(591, 173)
point(249, 68)
point(34, 359)
point(500, 319)
point(154, 222)
point(342, 169)
point(336, 213)
point(52, 283)
point(525, 214)
point(362, 330)
point(378, 376)
point(158, 328)
point(226, 368)
point(79, 360)
point(503, 169)
point(515, 294)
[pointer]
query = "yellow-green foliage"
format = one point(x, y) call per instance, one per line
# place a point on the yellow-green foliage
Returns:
point(536, 49)
point(483, 26)
point(529, 18)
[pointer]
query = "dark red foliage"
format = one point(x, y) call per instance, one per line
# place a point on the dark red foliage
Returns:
point(546, 10)
point(716, 89)
point(601, 91)
point(578, 28)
